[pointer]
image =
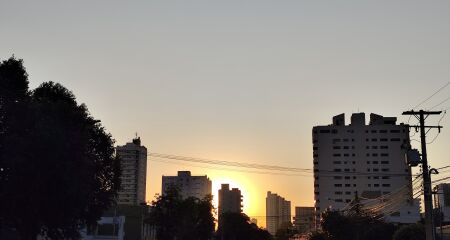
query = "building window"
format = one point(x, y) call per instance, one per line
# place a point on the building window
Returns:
point(384, 162)
point(337, 177)
point(384, 147)
point(383, 139)
point(338, 185)
point(324, 131)
point(337, 170)
point(385, 155)
point(395, 131)
point(376, 185)
point(383, 131)
point(338, 193)
point(385, 169)
point(347, 177)
point(386, 185)
point(395, 139)
point(336, 147)
point(336, 155)
point(337, 162)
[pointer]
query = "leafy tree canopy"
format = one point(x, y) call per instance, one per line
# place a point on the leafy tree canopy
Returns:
point(237, 226)
point(177, 218)
point(58, 169)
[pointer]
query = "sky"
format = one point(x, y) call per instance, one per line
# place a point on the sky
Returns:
point(236, 80)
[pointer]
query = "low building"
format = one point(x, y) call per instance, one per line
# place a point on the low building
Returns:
point(304, 219)
point(121, 222)
point(442, 200)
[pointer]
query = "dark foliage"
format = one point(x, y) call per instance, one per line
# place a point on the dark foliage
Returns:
point(410, 232)
point(317, 236)
point(177, 218)
point(237, 226)
point(355, 226)
point(58, 170)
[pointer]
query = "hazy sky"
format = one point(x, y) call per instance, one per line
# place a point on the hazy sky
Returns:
point(236, 80)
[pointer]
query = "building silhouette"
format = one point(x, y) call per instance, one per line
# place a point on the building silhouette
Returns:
point(229, 200)
point(133, 161)
point(364, 160)
point(442, 200)
point(304, 219)
point(278, 212)
point(188, 186)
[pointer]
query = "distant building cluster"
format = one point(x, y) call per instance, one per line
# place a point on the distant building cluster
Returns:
point(355, 160)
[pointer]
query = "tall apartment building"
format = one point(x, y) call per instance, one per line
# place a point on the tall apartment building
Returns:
point(230, 200)
point(367, 160)
point(304, 219)
point(189, 186)
point(278, 211)
point(442, 200)
point(134, 172)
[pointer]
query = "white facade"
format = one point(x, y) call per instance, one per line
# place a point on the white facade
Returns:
point(134, 172)
point(278, 211)
point(189, 186)
point(367, 160)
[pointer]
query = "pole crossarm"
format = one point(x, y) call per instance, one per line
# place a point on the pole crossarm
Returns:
point(421, 115)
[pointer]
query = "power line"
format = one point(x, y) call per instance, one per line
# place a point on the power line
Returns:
point(230, 163)
point(432, 95)
point(437, 105)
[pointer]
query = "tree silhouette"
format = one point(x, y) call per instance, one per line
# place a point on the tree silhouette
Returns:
point(237, 226)
point(58, 170)
point(177, 218)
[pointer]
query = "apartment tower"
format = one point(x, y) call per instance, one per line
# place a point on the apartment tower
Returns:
point(362, 160)
point(278, 211)
point(133, 159)
point(188, 185)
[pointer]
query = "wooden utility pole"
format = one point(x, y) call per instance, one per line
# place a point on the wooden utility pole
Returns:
point(427, 194)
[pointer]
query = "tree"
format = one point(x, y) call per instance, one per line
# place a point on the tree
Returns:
point(317, 236)
point(58, 170)
point(285, 231)
point(177, 218)
point(410, 232)
point(355, 224)
point(237, 226)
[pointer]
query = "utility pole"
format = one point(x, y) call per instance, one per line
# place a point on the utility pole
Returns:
point(427, 194)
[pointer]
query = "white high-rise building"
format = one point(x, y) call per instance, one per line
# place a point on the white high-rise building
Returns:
point(133, 159)
point(189, 186)
point(367, 160)
point(278, 212)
